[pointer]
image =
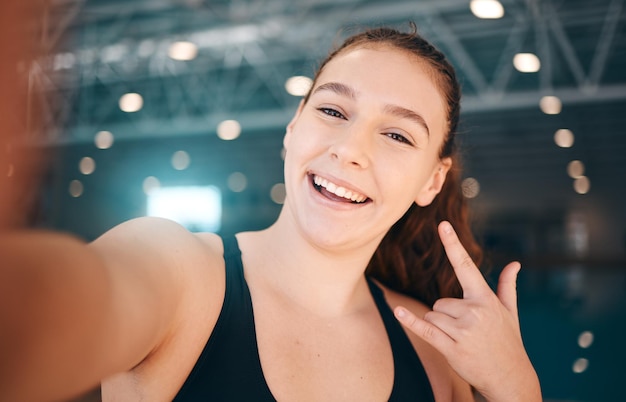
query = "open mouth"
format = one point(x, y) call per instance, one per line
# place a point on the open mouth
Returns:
point(337, 193)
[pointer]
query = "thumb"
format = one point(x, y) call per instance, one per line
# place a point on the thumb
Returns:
point(507, 287)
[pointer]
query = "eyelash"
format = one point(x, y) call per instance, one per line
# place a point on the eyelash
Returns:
point(334, 113)
point(331, 112)
point(399, 137)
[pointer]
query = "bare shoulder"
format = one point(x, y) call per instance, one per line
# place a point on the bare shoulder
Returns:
point(152, 232)
point(213, 242)
point(174, 280)
point(447, 385)
point(160, 244)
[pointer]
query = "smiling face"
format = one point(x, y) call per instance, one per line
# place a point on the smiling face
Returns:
point(364, 146)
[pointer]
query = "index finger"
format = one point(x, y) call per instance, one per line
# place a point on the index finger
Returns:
point(466, 271)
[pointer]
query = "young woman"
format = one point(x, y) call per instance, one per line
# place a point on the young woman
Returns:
point(309, 309)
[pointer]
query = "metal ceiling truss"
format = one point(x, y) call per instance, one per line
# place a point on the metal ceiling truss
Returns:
point(247, 49)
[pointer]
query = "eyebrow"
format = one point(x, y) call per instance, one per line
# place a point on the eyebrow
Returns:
point(338, 88)
point(398, 111)
point(407, 114)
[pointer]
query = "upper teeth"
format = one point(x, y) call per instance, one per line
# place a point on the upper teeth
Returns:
point(338, 190)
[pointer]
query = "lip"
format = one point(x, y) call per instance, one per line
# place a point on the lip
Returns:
point(341, 183)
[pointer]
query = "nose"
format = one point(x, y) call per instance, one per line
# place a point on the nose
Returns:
point(352, 147)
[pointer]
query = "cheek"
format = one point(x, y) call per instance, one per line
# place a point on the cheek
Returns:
point(299, 150)
point(405, 180)
point(304, 143)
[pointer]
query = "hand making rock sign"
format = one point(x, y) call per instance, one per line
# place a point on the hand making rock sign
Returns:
point(479, 334)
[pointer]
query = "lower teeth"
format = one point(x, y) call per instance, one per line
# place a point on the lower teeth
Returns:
point(319, 189)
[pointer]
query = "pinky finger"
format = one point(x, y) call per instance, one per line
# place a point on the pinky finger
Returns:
point(425, 330)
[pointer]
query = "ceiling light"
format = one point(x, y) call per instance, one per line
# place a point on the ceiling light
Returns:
point(582, 185)
point(150, 184)
point(585, 339)
point(87, 165)
point(180, 160)
point(131, 102)
point(526, 62)
point(564, 138)
point(228, 130)
point(580, 365)
point(470, 187)
point(237, 182)
point(487, 9)
point(103, 140)
point(278, 193)
point(575, 169)
point(298, 85)
point(183, 50)
point(550, 105)
point(76, 188)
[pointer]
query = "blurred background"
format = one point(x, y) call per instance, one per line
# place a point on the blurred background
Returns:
point(177, 108)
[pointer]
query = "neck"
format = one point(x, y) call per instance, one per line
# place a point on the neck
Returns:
point(325, 280)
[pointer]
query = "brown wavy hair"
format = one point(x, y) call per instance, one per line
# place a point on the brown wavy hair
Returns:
point(411, 259)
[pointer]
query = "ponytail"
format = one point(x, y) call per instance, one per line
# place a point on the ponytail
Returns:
point(411, 258)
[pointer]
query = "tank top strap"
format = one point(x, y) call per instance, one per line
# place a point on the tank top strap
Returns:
point(410, 379)
point(229, 368)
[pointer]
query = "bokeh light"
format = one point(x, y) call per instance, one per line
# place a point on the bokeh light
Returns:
point(564, 138)
point(76, 188)
point(470, 187)
point(278, 193)
point(237, 182)
point(183, 50)
point(229, 130)
point(298, 85)
point(150, 184)
point(487, 9)
point(180, 160)
point(550, 105)
point(104, 139)
point(526, 62)
point(87, 165)
point(131, 102)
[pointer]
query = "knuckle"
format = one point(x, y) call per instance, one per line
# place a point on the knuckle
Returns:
point(466, 261)
point(428, 332)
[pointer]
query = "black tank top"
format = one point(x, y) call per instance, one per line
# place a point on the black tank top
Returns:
point(229, 368)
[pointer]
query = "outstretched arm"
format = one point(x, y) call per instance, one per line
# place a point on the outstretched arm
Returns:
point(72, 314)
point(54, 296)
point(68, 315)
point(479, 334)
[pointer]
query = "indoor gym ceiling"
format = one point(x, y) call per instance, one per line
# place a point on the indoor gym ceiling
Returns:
point(248, 49)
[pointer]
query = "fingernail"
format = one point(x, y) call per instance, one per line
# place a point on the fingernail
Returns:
point(400, 313)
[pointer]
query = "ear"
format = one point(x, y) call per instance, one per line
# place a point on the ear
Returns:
point(435, 183)
point(292, 123)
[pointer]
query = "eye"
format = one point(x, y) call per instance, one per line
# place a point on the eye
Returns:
point(399, 137)
point(332, 112)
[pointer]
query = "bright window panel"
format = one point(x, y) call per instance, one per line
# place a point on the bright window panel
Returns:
point(198, 208)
